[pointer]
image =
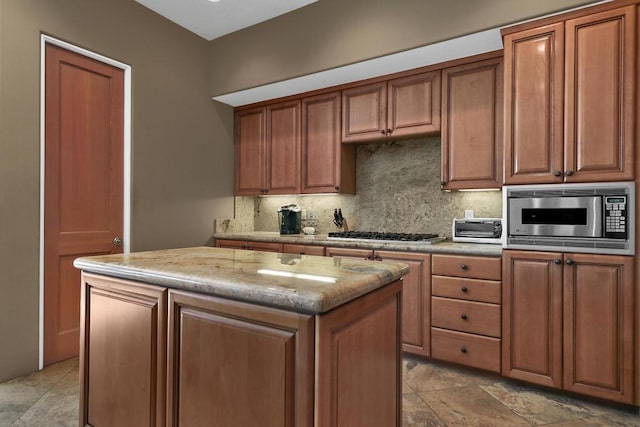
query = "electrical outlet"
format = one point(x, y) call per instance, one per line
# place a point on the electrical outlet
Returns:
point(303, 214)
point(468, 213)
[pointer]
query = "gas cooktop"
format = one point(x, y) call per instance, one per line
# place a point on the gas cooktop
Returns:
point(374, 236)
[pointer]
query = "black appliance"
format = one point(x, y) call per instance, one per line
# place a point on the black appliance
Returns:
point(290, 219)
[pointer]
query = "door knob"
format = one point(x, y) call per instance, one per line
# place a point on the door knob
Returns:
point(117, 241)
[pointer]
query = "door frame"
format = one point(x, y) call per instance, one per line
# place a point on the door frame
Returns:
point(126, 235)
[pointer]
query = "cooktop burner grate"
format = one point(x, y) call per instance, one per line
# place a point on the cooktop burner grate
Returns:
point(386, 237)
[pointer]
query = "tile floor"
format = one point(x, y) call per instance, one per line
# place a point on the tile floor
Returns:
point(433, 395)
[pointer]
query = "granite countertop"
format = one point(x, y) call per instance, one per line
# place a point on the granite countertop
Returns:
point(321, 240)
point(301, 283)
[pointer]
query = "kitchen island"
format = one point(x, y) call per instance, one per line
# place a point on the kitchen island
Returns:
point(210, 336)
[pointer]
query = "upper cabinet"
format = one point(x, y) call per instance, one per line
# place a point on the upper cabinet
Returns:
point(472, 125)
point(569, 99)
point(268, 149)
point(397, 108)
point(327, 165)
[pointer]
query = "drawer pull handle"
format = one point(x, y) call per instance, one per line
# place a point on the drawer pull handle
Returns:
point(463, 317)
point(463, 266)
point(557, 261)
point(464, 289)
point(463, 349)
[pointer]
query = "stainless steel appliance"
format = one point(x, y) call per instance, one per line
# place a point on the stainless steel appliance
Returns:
point(477, 230)
point(290, 219)
point(382, 237)
point(586, 217)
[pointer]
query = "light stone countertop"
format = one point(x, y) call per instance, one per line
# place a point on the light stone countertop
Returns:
point(301, 283)
point(447, 246)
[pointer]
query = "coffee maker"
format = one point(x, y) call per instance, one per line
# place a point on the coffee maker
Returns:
point(290, 219)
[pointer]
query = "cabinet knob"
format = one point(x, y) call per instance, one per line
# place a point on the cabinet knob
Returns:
point(337, 187)
point(442, 183)
point(302, 253)
point(463, 349)
point(389, 131)
point(570, 262)
point(463, 317)
point(369, 256)
point(557, 261)
point(569, 173)
point(557, 173)
point(117, 241)
point(382, 131)
point(463, 266)
point(464, 289)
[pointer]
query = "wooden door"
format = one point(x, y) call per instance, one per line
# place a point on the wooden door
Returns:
point(598, 326)
point(327, 166)
point(472, 125)
point(413, 106)
point(236, 364)
point(250, 152)
point(532, 317)
point(599, 107)
point(416, 300)
point(84, 115)
point(138, 354)
point(364, 113)
point(533, 102)
point(283, 148)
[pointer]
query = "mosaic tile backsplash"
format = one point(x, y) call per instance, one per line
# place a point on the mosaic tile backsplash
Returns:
point(398, 190)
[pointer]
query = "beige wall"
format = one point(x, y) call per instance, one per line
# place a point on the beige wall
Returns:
point(182, 142)
point(333, 33)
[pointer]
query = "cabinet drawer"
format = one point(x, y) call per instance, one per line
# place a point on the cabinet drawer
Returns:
point(303, 249)
point(466, 349)
point(467, 266)
point(467, 289)
point(467, 316)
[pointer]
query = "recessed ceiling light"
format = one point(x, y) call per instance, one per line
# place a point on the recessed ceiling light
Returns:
point(214, 1)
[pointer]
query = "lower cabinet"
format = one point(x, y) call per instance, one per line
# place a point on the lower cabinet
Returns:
point(303, 249)
point(416, 291)
point(466, 311)
point(122, 329)
point(213, 360)
point(249, 245)
point(568, 322)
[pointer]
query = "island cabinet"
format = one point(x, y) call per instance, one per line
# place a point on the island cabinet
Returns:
point(288, 248)
point(569, 98)
point(472, 125)
point(267, 149)
point(465, 310)
point(327, 165)
point(249, 245)
point(395, 108)
point(238, 338)
point(568, 322)
point(416, 292)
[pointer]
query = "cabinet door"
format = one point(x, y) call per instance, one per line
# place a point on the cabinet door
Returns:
point(364, 113)
point(283, 148)
point(416, 301)
point(532, 317)
point(414, 105)
point(533, 102)
point(250, 152)
point(235, 364)
point(230, 244)
point(303, 249)
point(327, 166)
point(264, 246)
point(598, 326)
point(472, 125)
point(123, 330)
point(599, 108)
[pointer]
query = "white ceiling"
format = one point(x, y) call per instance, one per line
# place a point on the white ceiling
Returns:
point(211, 20)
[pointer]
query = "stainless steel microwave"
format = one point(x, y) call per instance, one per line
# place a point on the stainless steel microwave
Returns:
point(585, 217)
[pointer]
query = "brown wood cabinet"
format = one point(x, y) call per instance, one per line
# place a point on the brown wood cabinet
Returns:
point(569, 99)
point(416, 294)
point(249, 245)
point(108, 343)
point(589, 351)
point(267, 148)
point(472, 125)
point(465, 310)
point(327, 165)
point(288, 248)
point(397, 108)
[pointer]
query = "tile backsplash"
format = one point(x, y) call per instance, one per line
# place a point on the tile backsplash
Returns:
point(398, 190)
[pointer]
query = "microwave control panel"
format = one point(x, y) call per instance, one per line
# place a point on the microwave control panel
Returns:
point(615, 217)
